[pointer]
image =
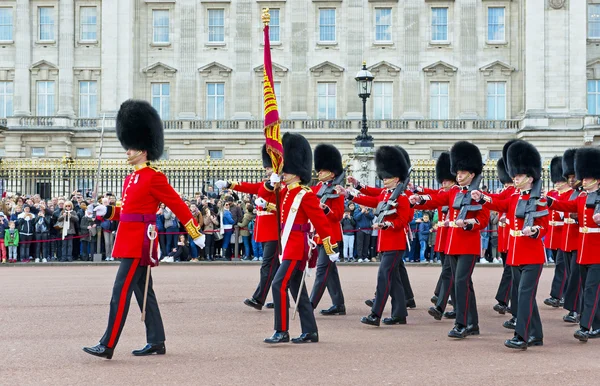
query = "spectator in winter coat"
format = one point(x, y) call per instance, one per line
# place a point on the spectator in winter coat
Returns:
point(245, 233)
point(160, 228)
point(194, 252)
point(423, 232)
point(348, 227)
point(88, 235)
point(26, 233)
point(3, 228)
point(11, 240)
point(70, 227)
point(363, 217)
point(227, 225)
point(211, 224)
point(172, 228)
point(42, 232)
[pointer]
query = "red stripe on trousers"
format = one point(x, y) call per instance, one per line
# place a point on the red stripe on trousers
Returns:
point(468, 290)
point(387, 287)
point(531, 306)
point(594, 308)
point(122, 302)
point(283, 295)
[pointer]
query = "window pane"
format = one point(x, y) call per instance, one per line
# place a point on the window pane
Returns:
point(496, 24)
point(6, 24)
point(160, 25)
point(216, 25)
point(594, 21)
point(593, 97)
point(274, 25)
point(87, 17)
point(6, 99)
point(439, 100)
point(327, 25)
point(87, 99)
point(46, 23)
point(383, 24)
point(439, 24)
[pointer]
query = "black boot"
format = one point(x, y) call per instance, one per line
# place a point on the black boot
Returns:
point(278, 337)
point(516, 343)
point(100, 350)
point(372, 320)
point(459, 332)
point(552, 302)
point(307, 337)
point(334, 310)
point(434, 299)
point(251, 302)
point(533, 341)
point(150, 349)
point(571, 317)
point(410, 303)
point(450, 314)
point(435, 312)
point(511, 324)
point(501, 308)
point(369, 302)
point(270, 305)
point(394, 320)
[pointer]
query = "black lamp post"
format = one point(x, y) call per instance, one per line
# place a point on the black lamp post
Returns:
point(364, 79)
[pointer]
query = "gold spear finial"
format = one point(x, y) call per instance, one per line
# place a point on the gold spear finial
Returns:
point(266, 16)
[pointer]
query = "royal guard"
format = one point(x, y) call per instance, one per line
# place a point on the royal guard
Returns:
point(140, 131)
point(572, 294)
point(528, 216)
point(554, 238)
point(299, 205)
point(392, 219)
point(330, 172)
point(265, 230)
point(587, 206)
point(466, 219)
point(445, 284)
point(503, 294)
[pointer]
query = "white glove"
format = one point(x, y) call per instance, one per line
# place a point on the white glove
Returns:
point(221, 184)
point(334, 257)
point(261, 202)
point(309, 271)
point(199, 241)
point(100, 210)
point(274, 179)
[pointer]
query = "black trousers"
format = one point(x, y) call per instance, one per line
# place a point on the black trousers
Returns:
point(573, 293)
point(465, 303)
point(590, 316)
point(408, 292)
point(438, 285)
point(131, 277)
point(268, 268)
point(447, 286)
point(289, 276)
point(327, 277)
point(561, 274)
point(504, 293)
point(389, 283)
point(526, 279)
point(363, 240)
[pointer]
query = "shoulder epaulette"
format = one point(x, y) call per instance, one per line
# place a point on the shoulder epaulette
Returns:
point(306, 188)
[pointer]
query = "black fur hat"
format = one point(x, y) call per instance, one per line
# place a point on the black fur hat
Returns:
point(505, 150)
point(568, 162)
point(328, 157)
point(390, 162)
point(524, 158)
point(139, 127)
point(442, 168)
point(405, 154)
point(266, 160)
point(297, 157)
point(502, 173)
point(587, 163)
point(556, 170)
point(465, 156)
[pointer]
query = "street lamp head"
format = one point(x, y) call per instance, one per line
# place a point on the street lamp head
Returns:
point(364, 78)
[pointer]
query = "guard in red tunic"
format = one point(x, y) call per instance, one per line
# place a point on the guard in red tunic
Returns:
point(587, 206)
point(445, 284)
point(573, 292)
point(393, 215)
point(328, 164)
point(528, 216)
point(554, 237)
point(265, 229)
point(503, 294)
point(299, 205)
point(466, 219)
point(140, 131)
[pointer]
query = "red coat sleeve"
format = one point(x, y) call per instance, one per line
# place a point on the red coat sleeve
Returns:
point(371, 191)
point(113, 212)
point(483, 219)
point(311, 206)
point(433, 201)
point(542, 222)
point(369, 201)
point(403, 213)
point(247, 187)
point(164, 192)
point(336, 210)
point(497, 204)
point(564, 206)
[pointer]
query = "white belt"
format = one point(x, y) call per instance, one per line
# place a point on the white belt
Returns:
point(589, 230)
point(441, 224)
point(556, 223)
point(516, 233)
point(264, 213)
point(569, 220)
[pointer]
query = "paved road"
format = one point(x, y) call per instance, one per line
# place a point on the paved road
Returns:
point(48, 313)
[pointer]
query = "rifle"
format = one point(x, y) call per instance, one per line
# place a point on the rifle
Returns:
point(387, 207)
point(462, 200)
point(528, 209)
point(327, 190)
point(593, 201)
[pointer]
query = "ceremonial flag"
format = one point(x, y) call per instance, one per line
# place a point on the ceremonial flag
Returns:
point(272, 130)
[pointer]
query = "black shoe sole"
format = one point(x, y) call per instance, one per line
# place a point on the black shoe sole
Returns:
point(572, 321)
point(256, 306)
point(364, 321)
point(270, 305)
point(300, 341)
point(509, 326)
point(522, 348)
point(275, 342)
point(435, 315)
point(107, 356)
point(539, 343)
point(394, 322)
point(447, 316)
point(456, 336)
point(369, 303)
point(157, 352)
point(581, 338)
point(553, 305)
point(332, 313)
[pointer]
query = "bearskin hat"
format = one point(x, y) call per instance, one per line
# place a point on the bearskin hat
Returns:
point(139, 127)
point(405, 154)
point(556, 170)
point(266, 159)
point(587, 163)
point(505, 151)
point(328, 157)
point(524, 158)
point(502, 173)
point(465, 156)
point(297, 157)
point(442, 168)
point(390, 163)
point(568, 162)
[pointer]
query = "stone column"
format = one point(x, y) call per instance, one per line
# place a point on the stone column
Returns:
point(412, 71)
point(535, 54)
point(299, 54)
point(23, 42)
point(186, 79)
point(467, 76)
point(66, 44)
point(109, 58)
point(577, 25)
point(126, 72)
point(363, 165)
point(242, 76)
point(356, 11)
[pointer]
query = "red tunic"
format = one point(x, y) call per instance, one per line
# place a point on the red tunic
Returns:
point(554, 237)
point(570, 235)
point(265, 225)
point(460, 241)
point(309, 210)
point(143, 191)
point(441, 228)
point(334, 215)
point(588, 243)
point(394, 237)
point(522, 250)
point(503, 228)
